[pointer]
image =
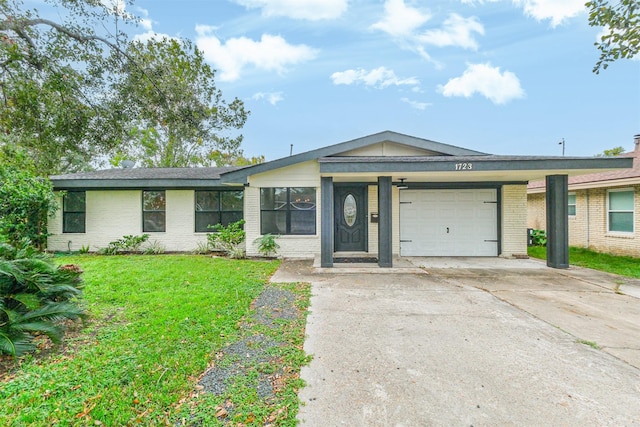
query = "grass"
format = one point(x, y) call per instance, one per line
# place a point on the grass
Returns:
point(591, 344)
point(156, 323)
point(622, 265)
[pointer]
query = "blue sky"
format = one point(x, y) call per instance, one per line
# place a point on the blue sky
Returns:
point(498, 76)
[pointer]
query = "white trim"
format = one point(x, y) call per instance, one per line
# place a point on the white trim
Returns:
point(608, 231)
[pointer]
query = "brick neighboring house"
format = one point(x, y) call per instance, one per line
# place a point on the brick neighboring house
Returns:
point(604, 208)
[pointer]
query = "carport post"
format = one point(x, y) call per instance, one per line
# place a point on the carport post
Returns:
point(326, 222)
point(557, 221)
point(385, 258)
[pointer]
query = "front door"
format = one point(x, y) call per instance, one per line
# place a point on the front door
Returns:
point(350, 213)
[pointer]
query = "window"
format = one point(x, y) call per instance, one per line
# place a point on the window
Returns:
point(288, 210)
point(74, 212)
point(217, 207)
point(620, 211)
point(153, 211)
point(571, 208)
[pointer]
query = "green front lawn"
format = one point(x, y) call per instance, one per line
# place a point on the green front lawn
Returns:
point(622, 265)
point(156, 323)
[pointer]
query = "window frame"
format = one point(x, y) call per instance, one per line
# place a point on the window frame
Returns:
point(574, 204)
point(220, 211)
point(288, 212)
point(66, 212)
point(155, 211)
point(632, 211)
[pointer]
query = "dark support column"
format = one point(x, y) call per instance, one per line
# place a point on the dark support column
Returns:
point(385, 241)
point(326, 222)
point(557, 221)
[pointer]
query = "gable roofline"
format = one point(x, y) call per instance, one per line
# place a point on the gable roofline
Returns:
point(240, 176)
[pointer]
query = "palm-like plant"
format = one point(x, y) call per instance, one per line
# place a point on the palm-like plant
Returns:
point(35, 295)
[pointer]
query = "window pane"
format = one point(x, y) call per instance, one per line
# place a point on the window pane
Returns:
point(229, 217)
point(204, 219)
point(303, 222)
point(231, 200)
point(73, 223)
point(153, 221)
point(207, 201)
point(621, 221)
point(153, 201)
point(621, 201)
point(74, 201)
point(572, 210)
point(273, 198)
point(274, 222)
point(572, 199)
point(303, 198)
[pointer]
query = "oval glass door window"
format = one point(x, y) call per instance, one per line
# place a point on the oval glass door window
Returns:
point(350, 210)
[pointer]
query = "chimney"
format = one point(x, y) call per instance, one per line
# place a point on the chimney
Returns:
point(636, 140)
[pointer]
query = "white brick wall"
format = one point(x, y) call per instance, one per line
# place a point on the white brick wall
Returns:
point(301, 175)
point(514, 220)
point(116, 213)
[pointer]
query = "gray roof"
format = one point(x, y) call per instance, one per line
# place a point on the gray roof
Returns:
point(241, 176)
point(196, 177)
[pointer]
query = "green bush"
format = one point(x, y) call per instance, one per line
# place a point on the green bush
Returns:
point(228, 239)
point(26, 201)
point(127, 244)
point(35, 295)
point(267, 245)
point(539, 238)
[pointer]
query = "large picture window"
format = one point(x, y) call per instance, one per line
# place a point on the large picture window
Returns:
point(154, 211)
point(620, 211)
point(571, 208)
point(288, 210)
point(74, 212)
point(217, 207)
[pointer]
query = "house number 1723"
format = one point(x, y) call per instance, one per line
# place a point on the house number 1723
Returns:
point(464, 166)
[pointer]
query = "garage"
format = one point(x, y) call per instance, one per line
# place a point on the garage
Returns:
point(461, 222)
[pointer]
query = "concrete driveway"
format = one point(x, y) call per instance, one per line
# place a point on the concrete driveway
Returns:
point(503, 342)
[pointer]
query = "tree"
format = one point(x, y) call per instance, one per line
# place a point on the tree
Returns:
point(615, 151)
point(178, 117)
point(63, 83)
point(52, 80)
point(621, 37)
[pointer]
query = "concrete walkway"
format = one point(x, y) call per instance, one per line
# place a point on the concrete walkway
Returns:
point(469, 345)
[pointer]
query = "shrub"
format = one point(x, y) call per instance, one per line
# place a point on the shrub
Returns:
point(154, 248)
point(228, 239)
point(128, 243)
point(26, 201)
point(35, 295)
point(539, 238)
point(267, 245)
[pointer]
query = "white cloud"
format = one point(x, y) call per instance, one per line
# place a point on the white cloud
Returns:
point(401, 20)
point(117, 6)
point(270, 53)
point(415, 104)
point(455, 31)
point(486, 80)
point(271, 97)
point(313, 10)
point(379, 78)
point(557, 11)
point(406, 24)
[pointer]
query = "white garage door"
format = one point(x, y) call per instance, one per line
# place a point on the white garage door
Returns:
point(449, 222)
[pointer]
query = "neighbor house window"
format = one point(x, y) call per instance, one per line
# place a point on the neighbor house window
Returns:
point(154, 211)
point(74, 212)
point(571, 208)
point(288, 210)
point(620, 210)
point(217, 207)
